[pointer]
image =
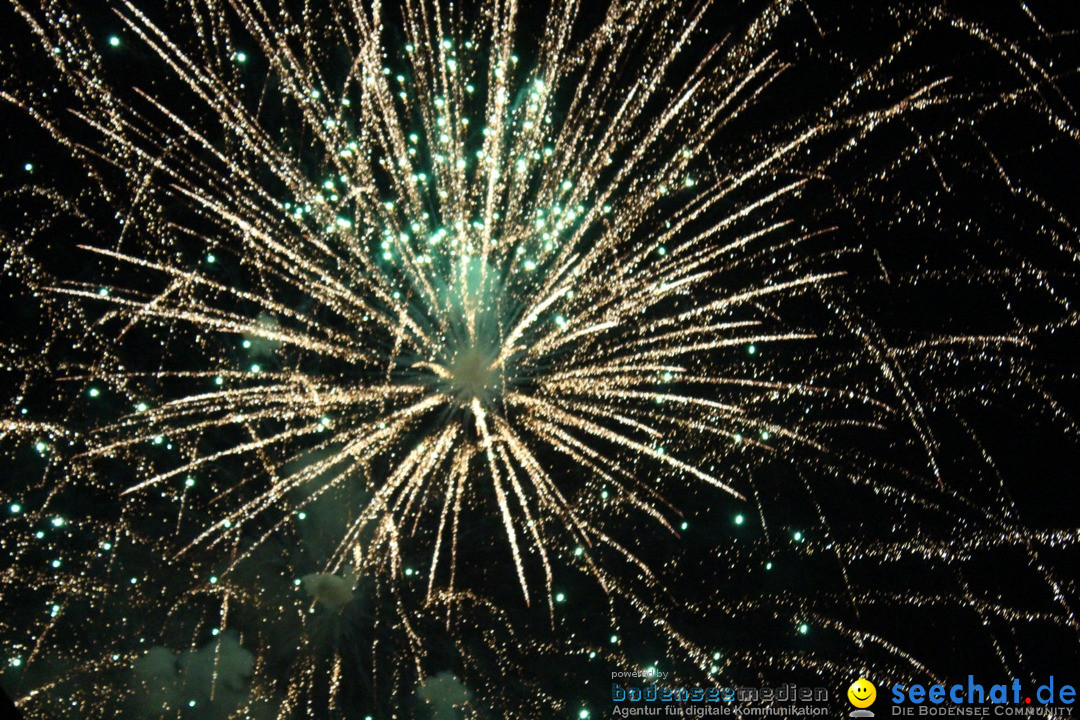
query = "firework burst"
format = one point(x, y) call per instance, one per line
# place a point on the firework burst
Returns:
point(490, 301)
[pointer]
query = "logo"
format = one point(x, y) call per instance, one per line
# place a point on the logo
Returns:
point(861, 694)
point(973, 698)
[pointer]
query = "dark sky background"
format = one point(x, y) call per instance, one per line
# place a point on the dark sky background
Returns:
point(963, 581)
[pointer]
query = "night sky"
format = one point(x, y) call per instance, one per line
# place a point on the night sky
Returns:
point(439, 360)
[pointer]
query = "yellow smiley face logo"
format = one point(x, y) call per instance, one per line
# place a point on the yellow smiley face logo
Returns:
point(862, 693)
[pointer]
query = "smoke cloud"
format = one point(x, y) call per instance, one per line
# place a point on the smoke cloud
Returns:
point(330, 591)
point(443, 696)
point(209, 683)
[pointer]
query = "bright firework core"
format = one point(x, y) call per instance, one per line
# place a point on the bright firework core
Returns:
point(473, 374)
point(471, 362)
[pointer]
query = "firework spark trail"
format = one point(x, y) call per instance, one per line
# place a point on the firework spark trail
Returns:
point(474, 269)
